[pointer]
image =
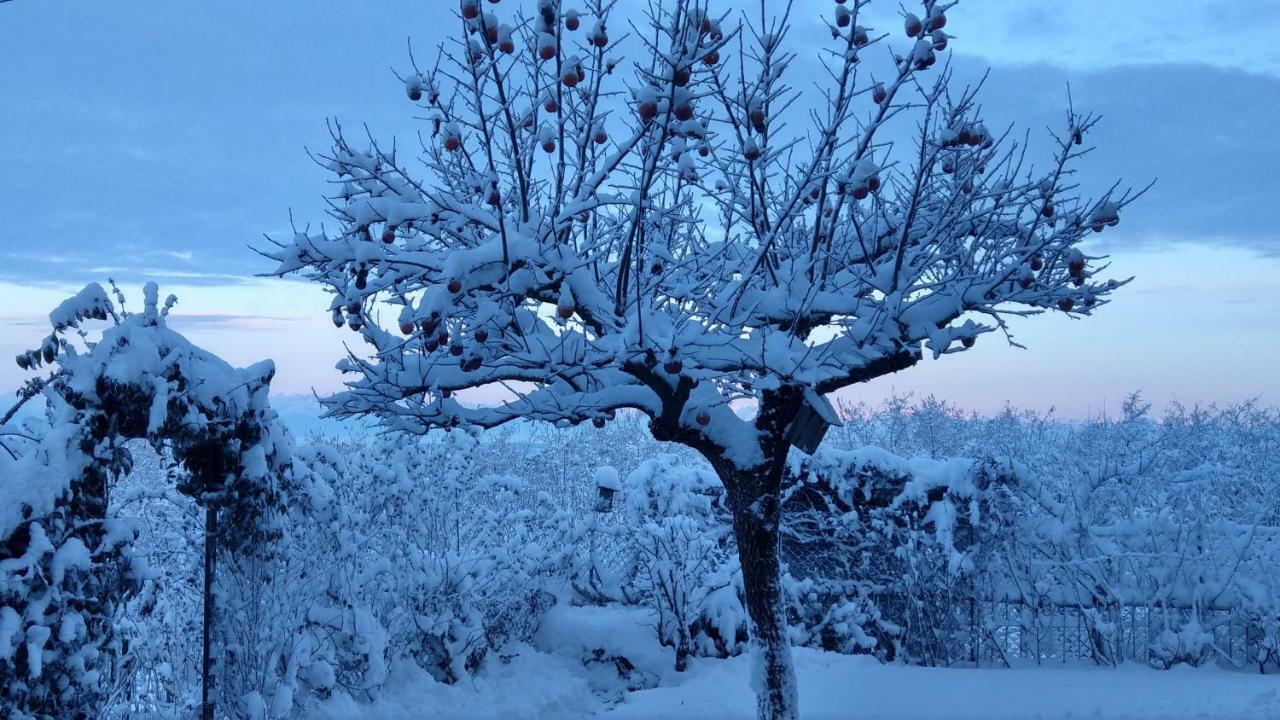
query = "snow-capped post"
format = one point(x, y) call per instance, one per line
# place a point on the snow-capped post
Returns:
point(674, 236)
point(607, 485)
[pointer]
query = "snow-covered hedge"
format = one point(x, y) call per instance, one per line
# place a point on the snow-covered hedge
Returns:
point(1157, 537)
point(684, 557)
point(863, 531)
point(399, 549)
point(884, 550)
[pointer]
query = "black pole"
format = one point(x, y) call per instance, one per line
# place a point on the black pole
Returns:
point(207, 671)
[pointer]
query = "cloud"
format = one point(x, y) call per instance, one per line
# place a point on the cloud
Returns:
point(1206, 135)
point(191, 148)
point(1091, 35)
point(24, 321)
point(34, 327)
point(226, 320)
point(190, 277)
point(148, 175)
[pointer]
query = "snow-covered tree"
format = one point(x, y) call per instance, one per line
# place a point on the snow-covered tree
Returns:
point(66, 565)
point(600, 220)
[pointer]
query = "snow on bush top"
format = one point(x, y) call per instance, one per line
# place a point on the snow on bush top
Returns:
point(186, 387)
point(847, 470)
point(664, 487)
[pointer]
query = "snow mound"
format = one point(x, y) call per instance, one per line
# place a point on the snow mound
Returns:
point(578, 632)
point(531, 685)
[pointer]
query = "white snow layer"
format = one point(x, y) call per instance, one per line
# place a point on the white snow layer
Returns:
point(550, 681)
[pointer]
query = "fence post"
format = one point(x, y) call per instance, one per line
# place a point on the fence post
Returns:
point(1035, 621)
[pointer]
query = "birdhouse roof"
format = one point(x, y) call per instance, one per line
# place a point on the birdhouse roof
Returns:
point(823, 407)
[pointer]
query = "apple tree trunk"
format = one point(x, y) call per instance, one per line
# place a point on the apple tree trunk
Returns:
point(755, 502)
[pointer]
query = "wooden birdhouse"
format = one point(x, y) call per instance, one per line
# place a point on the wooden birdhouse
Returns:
point(811, 423)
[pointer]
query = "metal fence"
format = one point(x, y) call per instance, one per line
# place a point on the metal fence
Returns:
point(1006, 633)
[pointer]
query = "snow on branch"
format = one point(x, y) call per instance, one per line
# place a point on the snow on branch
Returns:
point(596, 222)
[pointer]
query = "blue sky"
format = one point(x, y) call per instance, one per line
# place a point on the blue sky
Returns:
point(159, 140)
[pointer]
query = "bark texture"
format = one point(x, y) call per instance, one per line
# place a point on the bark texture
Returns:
point(755, 525)
point(755, 498)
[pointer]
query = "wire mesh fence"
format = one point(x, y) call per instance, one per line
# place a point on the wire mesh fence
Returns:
point(1006, 633)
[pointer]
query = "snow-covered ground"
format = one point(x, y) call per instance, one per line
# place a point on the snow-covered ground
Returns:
point(839, 687)
point(549, 680)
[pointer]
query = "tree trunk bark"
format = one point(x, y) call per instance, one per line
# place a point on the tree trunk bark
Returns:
point(755, 525)
point(755, 496)
point(682, 650)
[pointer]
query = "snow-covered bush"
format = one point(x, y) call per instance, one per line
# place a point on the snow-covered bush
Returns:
point(62, 570)
point(399, 550)
point(66, 564)
point(159, 628)
point(837, 616)
point(1263, 629)
point(1117, 514)
point(884, 553)
point(1181, 642)
point(683, 550)
point(562, 461)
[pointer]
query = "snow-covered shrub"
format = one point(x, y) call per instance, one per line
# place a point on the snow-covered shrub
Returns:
point(66, 564)
point(721, 628)
point(835, 616)
point(61, 573)
point(683, 551)
point(63, 563)
point(1181, 642)
point(398, 549)
point(160, 627)
point(1263, 631)
point(562, 461)
point(883, 552)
